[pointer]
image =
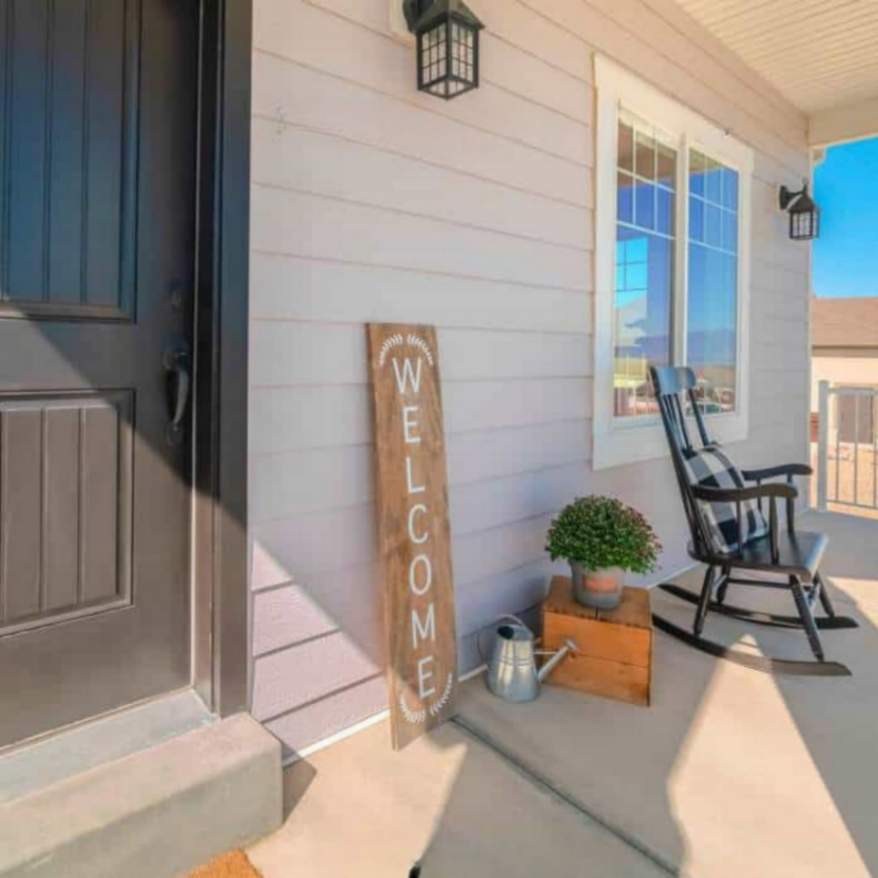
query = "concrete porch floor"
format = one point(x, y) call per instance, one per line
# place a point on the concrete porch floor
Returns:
point(729, 772)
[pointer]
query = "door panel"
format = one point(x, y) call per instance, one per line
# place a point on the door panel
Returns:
point(65, 507)
point(71, 111)
point(98, 118)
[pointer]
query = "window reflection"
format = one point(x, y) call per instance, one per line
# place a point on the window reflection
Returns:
point(712, 309)
point(645, 248)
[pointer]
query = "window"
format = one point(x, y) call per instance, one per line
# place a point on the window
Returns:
point(712, 301)
point(646, 206)
point(671, 264)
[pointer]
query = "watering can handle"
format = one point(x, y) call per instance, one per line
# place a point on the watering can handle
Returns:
point(494, 624)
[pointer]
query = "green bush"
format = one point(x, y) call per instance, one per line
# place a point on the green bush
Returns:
point(600, 532)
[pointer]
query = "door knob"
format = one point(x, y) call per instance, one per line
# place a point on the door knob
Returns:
point(177, 363)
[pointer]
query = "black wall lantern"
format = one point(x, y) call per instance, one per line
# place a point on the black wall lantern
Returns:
point(804, 213)
point(447, 34)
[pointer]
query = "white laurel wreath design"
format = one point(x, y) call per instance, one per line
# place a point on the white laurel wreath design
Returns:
point(416, 717)
point(398, 340)
point(436, 707)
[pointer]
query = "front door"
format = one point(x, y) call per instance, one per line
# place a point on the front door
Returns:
point(98, 118)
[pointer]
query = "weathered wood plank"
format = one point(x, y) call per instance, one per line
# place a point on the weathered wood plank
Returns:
point(413, 528)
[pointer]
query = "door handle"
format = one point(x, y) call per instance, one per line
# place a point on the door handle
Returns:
point(177, 366)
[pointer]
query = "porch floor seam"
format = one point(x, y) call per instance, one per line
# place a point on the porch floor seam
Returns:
point(543, 783)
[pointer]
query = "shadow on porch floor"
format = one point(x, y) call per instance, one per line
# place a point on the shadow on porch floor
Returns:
point(729, 772)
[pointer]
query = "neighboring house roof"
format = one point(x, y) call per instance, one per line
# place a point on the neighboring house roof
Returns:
point(844, 323)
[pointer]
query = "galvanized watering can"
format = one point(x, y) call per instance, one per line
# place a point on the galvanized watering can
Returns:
point(512, 667)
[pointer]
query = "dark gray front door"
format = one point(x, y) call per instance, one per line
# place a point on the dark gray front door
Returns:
point(97, 193)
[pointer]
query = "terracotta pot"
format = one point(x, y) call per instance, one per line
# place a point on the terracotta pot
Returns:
point(600, 589)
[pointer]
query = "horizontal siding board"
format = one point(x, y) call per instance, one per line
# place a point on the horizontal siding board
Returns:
point(308, 35)
point(298, 729)
point(529, 31)
point(285, 91)
point(286, 485)
point(484, 505)
point(301, 418)
point(289, 287)
point(300, 546)
point(305, 161)
point(347, 600)
point(284, 616)
point(291, 353)
point(478, 405)
point(769, 327)
point(530, 77)
point(771, 357)
point(308, 225)
point(480, 555)
point(470, 406)
point(282, 485)
point(307, 672)
point(278, 625)
point(505, 65)
point(522, 588)
point(490, 454)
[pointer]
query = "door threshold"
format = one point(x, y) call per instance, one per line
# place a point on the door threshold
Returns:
point(39, 762)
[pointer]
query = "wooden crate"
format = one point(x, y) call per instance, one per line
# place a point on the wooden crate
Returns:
point(615, 646)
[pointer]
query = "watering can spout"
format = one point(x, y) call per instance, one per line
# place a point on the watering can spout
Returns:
point(555, 660)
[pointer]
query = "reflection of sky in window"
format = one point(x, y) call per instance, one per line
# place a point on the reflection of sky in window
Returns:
point(713, 262)
point(631, 271)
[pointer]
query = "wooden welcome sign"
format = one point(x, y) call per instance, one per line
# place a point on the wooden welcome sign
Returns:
point(413, 531)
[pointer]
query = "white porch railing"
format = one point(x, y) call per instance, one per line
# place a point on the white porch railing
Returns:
point(847, 446)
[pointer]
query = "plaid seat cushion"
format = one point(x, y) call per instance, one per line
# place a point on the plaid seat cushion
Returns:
point(711, 468)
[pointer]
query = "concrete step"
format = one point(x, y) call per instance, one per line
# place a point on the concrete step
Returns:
point(150, 814)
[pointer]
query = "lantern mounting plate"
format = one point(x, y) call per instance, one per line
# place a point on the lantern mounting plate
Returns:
point(787, 196)
point(413, 10)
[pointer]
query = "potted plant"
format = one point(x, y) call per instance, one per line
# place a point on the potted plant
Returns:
point(602, 538)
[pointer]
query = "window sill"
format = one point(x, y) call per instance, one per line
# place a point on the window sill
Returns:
point(618, 445)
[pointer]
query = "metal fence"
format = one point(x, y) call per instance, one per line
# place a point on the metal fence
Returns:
point(847, 446)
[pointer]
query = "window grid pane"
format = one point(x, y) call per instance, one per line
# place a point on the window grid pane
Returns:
point(645, 269)
point(712, 295)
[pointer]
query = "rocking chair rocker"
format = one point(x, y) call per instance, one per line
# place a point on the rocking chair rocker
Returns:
point(730, 533)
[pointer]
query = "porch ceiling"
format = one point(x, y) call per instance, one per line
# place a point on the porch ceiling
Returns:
point(820, 54)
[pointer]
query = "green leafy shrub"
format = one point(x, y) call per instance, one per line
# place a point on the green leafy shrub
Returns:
point(600, 532)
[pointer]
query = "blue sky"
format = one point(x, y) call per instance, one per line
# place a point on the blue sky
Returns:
point(846, 253)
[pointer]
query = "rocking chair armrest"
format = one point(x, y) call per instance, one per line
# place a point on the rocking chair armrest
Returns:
point(785, 469)
point(738, 495)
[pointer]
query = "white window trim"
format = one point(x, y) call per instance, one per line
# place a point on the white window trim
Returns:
point(620, 441)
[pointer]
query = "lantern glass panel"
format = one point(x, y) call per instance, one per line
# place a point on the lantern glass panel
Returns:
point(804, 224)
point(448, 56)
point(434, 57)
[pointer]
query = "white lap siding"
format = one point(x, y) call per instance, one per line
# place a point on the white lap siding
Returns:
point(371, 202)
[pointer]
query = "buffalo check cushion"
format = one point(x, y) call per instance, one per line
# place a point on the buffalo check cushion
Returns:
point(712, 469)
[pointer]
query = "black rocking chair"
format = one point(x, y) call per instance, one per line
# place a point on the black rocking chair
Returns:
point(729, 533)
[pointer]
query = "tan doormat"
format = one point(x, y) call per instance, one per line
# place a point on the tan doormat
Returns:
point(232, 865)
